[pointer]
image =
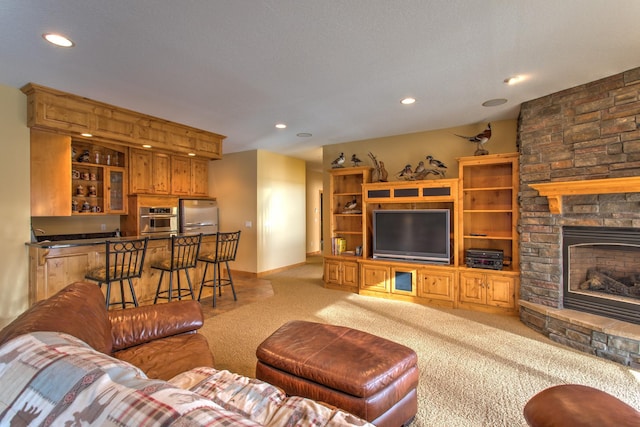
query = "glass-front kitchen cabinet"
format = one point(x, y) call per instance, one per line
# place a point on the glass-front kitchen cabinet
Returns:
point(98, 179)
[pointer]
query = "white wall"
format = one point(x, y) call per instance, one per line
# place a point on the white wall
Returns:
point(14, 193)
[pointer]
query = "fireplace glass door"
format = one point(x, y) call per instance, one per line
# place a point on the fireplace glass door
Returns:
point(602, 271)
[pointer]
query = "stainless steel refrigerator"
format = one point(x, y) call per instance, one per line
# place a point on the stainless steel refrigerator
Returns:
point(198, 216)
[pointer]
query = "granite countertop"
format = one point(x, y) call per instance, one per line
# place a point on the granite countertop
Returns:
point(46, 244)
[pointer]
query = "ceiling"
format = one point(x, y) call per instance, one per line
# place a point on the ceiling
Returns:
point(335, 68)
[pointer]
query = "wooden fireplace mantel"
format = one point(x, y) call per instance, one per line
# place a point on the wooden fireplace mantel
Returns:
point(555, 190)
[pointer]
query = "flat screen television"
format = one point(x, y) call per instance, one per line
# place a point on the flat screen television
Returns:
point(414, 235)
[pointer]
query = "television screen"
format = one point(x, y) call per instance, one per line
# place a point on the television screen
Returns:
point(420, 234)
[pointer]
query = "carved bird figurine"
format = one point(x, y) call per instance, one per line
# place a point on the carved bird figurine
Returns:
point(355, 160)
point(480, 139)
point(419, 168)
point(338, 162)
point(436, 163)
point(406, 173)
point(351, 205)
point(383, 172)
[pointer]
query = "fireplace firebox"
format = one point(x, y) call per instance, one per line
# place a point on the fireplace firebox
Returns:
point(601, 271)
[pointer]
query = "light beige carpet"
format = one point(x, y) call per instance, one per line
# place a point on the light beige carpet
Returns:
point(475, 369)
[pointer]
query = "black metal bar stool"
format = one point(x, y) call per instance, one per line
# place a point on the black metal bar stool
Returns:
point(123, 261)
point(226, 249)
point(184, 255)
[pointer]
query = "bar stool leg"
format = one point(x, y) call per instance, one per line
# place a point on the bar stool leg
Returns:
point(204, 277)
point(170, 294)
point(233, 289)
point(108, 293)
point(179, 285)
point(155, 300)
point(133, 293)
point(186, 272)
point(122, 301)
point(216, 269)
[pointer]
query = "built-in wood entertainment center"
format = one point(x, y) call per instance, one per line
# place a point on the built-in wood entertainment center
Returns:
point(484, 213)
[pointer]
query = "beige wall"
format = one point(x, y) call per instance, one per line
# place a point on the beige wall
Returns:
point(313, 210)
point(397, 151)
point(14, 193)
point(281, 223)
point(232, 181)
point(262, 194)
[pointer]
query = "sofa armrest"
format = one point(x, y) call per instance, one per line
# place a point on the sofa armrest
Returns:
point(140, 325)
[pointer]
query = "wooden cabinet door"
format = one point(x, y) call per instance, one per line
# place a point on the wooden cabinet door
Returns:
point(161, 173)
point(350, 274)
point(50, 174)
point(199, 177)
point(140, 177)
point(115, 191)
point(501, 291)
point(149, 172)
point(180, 175)
point(472, 287)
point(375, 278)
point(436, 285)
point(332, 271)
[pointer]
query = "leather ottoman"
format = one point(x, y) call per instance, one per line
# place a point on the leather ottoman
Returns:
point(578, 405)
point(366, 375)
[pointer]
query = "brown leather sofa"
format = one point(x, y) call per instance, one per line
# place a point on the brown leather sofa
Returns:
point(159, 339)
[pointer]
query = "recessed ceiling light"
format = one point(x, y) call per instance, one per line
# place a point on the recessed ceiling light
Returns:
point(191, 154)
point(303, 134)
point(88, 135)
point(408, 101)
point(146, 146)
point(513, 80)
point(281, 126)
point(494, 102)
point(58, 40)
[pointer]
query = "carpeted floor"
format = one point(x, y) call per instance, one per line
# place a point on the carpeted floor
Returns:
point(476, 369)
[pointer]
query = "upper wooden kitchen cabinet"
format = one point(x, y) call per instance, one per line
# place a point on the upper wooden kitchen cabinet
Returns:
point(199, 177)
point(159, 173)
point(149, 172)
point(180, 176)
point(189, 176)
point(54, 110)
point(50, 174)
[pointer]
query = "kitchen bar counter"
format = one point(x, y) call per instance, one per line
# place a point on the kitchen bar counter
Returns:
point(98, 241)
point(53, 265)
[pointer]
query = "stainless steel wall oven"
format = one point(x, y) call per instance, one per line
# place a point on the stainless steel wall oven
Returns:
point(158, 220)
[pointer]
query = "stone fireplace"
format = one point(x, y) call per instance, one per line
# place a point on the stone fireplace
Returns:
point(580, 170)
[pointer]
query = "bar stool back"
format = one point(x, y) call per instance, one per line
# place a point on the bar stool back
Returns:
point(184, 255)
point(123, 261)
point(226, 249)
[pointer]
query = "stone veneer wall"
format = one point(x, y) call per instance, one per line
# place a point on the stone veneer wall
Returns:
point(586, 132)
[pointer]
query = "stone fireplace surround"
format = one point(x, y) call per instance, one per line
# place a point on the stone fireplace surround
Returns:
point(587, 133)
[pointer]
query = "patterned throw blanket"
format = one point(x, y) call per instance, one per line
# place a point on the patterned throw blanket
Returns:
point(49, 378)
